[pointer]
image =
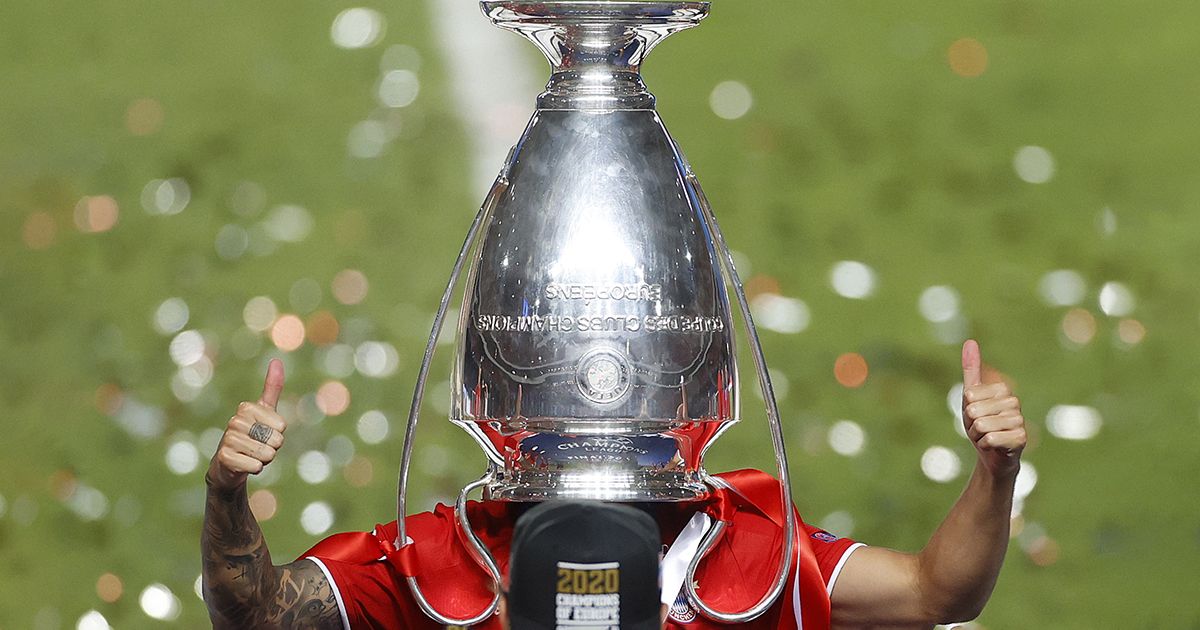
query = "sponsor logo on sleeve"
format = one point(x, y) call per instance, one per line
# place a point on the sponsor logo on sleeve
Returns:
point(825, 537)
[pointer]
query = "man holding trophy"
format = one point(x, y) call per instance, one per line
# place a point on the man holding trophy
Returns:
point(595, 360)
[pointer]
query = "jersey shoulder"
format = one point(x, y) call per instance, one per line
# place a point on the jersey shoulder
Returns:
point(759, 499)
point(370, 581)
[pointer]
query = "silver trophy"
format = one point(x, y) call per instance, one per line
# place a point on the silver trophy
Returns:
point(595, 352)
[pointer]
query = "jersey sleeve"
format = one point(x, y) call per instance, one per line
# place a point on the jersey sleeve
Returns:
point(370, 598)
point(831, 551)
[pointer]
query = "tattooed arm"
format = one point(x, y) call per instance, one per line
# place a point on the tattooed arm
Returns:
point(241, 586)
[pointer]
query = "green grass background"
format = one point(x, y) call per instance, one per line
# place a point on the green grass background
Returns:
point(861, 145)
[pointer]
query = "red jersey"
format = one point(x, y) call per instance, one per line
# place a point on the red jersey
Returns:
point(369, 575)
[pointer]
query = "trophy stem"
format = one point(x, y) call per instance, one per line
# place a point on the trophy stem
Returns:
point(595, 48)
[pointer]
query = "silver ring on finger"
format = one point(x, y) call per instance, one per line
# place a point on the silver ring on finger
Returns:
point(260, 432)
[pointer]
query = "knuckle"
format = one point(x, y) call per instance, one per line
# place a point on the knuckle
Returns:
point(244, 406)
point(272, 417)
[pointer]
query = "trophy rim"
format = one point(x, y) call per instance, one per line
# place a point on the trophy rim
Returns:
point(556, 11)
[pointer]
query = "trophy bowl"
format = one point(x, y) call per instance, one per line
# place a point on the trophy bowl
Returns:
point(595, 347)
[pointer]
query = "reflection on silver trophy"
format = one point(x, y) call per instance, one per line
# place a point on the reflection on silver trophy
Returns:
point(595, 352)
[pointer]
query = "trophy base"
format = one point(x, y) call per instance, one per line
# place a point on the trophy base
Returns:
point(600, 485)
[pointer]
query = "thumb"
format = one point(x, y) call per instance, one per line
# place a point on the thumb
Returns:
point(273, 385)
point(971, 362)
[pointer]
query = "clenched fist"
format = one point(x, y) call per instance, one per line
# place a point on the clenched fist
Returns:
point(991, 416)
point(253, 436)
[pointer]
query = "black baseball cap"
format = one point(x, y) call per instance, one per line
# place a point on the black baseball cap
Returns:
point(580, 565)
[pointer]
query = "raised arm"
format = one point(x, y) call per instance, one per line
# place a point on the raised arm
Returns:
point(951, 579)
point(242, 588)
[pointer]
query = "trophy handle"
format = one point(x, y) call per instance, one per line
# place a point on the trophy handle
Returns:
point(414, 414)
point(764, 382)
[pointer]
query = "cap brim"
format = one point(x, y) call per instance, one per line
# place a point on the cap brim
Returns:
point(654, 623)
point(517, 622)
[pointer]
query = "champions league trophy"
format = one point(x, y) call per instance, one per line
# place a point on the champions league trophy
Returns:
point(595, 348)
